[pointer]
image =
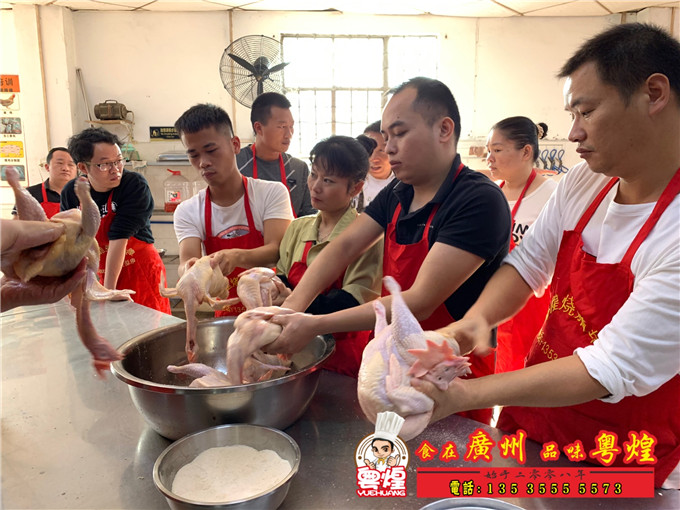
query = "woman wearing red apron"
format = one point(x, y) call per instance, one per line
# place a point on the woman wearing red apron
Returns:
point(512, 147)
point(339, 167)
point(128, 258)
point(598, 291)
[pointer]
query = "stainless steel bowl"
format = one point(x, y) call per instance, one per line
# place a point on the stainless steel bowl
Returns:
point(174, 410)
point(187, 449)
point(471, 504)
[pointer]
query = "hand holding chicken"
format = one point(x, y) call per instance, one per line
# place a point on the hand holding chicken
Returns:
point(65, 254)
point(400, 351)
point(246, 363)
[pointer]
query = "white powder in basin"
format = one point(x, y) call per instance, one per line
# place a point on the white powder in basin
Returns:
point(230, 473)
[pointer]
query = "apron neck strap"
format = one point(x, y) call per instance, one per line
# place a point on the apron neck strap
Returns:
point(668, 195)
point(594, 205)
point(530, 179)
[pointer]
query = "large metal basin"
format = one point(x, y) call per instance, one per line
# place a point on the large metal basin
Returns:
point(174, 410)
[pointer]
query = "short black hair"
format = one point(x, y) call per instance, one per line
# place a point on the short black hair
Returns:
point(81, 146)
point(522, 131)
point(626, 55)
point(433, 101)
point(53, 150)
point(373, 127)
point(204, 116)
point(342, 156)
point(261, 111)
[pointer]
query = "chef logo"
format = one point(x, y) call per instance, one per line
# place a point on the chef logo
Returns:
point(382, 459)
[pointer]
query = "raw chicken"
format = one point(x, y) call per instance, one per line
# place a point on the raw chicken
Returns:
point(398, 352)
point(259, 286)
point(64, 255)
point(201, 283)
point(246, 363)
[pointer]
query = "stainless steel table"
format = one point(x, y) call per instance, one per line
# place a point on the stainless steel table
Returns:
point(72, 441)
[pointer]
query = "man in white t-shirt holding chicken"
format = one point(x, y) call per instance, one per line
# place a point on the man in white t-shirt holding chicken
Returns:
point(237, 219)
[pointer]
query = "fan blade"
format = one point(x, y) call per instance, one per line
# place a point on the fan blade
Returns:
point(260, 87)
point(243, 63)
point(278, 67)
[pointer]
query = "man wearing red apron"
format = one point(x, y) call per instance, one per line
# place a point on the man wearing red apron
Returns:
point(237, 219)
point(607, 357)
point(267, 159)
point(60, 168)
point(127, 256)
point(143, 270)
point(446, 227)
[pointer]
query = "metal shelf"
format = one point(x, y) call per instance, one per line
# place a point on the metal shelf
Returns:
point(127, 124)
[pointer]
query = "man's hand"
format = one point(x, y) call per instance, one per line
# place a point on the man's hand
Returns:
point(471, 333)
point(187, 265)
point(226, 260)
point(298, 331)
point(19, 236)
point(39, 290)
point(446, 402)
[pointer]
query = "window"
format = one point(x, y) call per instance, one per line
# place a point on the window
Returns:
point(337, 84)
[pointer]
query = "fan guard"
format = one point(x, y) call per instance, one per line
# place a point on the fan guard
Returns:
point(250, 66)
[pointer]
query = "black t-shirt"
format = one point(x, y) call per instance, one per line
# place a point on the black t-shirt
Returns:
point(132, 202)
point(473, 216)
point(36, 192)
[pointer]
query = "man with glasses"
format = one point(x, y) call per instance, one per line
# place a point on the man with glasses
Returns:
point(60, 169)
point(128, 258)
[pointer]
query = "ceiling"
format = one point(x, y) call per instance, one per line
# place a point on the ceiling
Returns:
point(471, 8)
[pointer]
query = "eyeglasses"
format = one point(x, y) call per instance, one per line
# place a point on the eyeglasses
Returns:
point(109, 165)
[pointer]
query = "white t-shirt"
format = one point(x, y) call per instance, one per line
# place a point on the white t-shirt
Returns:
point(268, 201)
point(529, 209)
point(639, 350)
point(372, 187)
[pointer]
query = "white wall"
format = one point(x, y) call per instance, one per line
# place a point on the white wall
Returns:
point(159, 63)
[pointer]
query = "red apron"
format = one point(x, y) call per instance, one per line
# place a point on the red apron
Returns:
point(142, 271)
point(282, 168)
point(598, 291)
point(50, 208)
point(349, 346)
point(516, 335)
point(253, 239)
point(402, 262)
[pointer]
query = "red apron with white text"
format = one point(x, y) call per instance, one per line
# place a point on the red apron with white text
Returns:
point(587, 295)
point(349, 346)
point(142, 271)
point(282, 169)
point(516, 335)
point(402, 262)
point(253, 239)
point(50, 208)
